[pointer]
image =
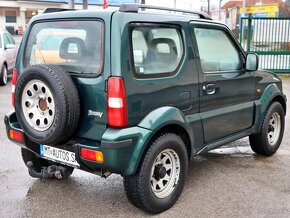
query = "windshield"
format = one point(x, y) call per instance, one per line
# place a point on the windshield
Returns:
point(74, 45)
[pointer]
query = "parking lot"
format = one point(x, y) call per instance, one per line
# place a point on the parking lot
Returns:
point(227, 182)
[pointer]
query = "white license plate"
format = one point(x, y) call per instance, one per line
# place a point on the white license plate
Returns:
point(66, 157)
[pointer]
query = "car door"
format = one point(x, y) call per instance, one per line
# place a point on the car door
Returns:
point(226, 89)
point(10, 53)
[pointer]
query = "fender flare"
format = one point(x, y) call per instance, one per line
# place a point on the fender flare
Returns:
point(155, 121)
point(270, 93)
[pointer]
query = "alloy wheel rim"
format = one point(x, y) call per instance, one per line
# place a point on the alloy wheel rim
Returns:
point(274, 128)
point(38, 105)
point(165, 173)
point(5, 75)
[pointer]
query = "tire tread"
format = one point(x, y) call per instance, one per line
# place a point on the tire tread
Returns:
point(135, 185)
point(259, 142)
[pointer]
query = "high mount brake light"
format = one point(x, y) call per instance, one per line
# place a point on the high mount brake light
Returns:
point(116, 102)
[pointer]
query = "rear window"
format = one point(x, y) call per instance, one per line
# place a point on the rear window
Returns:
point(76, 46)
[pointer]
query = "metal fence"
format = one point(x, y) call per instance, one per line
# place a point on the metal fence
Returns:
point(270, 39)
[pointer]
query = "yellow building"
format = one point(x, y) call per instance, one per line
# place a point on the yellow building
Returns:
point(269, 10)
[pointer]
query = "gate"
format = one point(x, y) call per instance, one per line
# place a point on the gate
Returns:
point(269, 38)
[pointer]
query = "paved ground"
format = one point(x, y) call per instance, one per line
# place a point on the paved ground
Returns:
point(229, 182)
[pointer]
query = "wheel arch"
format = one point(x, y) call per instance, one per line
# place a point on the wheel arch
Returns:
point(170, 128)
point(271, 94)
point(172, 122)
point(4, 63)
point(175, 129)
point(281, 100)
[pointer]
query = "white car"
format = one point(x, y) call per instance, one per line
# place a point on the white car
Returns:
point(8, 52)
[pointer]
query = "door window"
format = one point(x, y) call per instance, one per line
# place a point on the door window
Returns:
point(216, 51)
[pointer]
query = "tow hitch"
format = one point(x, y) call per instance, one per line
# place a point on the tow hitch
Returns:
point(50, 172)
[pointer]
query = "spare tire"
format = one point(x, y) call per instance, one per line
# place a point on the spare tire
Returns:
point(47, 104)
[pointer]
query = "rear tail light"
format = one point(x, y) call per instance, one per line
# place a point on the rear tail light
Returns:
point(92, 155)
point(14, 80)
point(116, 102)
point(15, 135)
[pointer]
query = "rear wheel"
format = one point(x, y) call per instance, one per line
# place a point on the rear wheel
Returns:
point(3, 75)
point(269, 139)
point(160, 180)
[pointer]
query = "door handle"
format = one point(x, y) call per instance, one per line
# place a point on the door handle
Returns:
point(209, 88)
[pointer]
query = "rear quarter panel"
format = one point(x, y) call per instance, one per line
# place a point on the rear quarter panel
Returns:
point(144, 95)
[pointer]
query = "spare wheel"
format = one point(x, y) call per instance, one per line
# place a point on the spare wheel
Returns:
point(47, 104)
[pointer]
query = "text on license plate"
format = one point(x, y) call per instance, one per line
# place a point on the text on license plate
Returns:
point(58, 154)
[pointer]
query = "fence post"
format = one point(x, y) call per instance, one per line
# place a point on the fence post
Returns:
point(249, 33)
point(241, 30)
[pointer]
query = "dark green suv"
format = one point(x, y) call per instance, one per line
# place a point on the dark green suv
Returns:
point(138, 94)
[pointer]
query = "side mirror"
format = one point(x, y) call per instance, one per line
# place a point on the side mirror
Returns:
point(252, 62)
point(9, 46)
point(138, 56)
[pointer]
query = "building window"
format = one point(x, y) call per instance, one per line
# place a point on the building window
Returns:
point(10, 16)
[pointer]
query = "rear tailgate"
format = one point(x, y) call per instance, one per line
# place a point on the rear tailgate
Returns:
point(93, 118)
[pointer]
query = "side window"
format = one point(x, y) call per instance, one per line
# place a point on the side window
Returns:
point(156, 49)
point(139, 42)
point(6, 39)
point(216, 51)
point(11, 40)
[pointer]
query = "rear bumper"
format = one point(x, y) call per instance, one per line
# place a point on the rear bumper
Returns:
point(122, 148)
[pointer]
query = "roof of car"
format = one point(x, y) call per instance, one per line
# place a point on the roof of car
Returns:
point(137, 8)
point(179, 14)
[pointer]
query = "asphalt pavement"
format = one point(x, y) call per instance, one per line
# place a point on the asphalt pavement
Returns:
point(228, 182)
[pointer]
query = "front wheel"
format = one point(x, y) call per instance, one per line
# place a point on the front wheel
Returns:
point(3, 75)
point(160, 179)
point(269, 139)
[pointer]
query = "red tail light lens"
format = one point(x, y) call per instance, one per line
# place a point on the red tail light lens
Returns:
point(117, 105)
point(92, 155)
point(15, 135)
point(14, 80)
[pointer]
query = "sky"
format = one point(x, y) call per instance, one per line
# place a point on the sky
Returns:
point(182, 4)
